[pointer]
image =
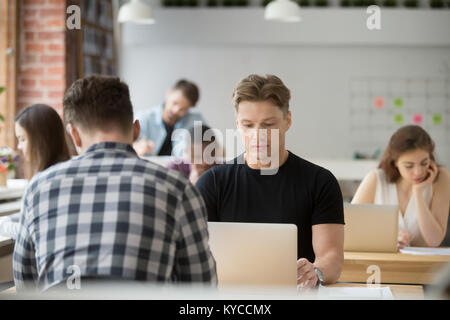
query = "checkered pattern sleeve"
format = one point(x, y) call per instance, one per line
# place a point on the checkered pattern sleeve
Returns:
point(194, 261)
point(24, 261)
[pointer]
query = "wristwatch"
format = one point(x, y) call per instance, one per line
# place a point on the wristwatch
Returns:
point(320, 276)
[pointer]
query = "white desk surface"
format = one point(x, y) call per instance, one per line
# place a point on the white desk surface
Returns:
point(347, 169)
point(9, 208)
point(129, 290)
point(14, 189)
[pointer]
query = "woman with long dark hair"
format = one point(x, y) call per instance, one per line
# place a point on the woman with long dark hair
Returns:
point(409, 177)
point(41, 140)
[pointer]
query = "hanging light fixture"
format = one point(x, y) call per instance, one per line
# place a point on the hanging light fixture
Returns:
point(282, 10)
point(136, 11)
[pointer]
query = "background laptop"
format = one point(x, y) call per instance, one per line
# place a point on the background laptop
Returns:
point(254, 254)
point(370, 228)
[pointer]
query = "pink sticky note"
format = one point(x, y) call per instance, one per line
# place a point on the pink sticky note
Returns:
point(417, 118)
point(379, 103)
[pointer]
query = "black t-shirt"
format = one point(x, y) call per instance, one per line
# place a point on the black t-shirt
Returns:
point(300, 193)
point(166, 148)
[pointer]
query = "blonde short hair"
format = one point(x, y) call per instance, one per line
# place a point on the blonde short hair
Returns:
point(258, 88)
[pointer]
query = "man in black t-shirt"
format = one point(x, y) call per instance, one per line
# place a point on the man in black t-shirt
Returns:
point(269, 184)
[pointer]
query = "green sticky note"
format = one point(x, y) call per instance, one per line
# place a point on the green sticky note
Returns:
point(398, 102)
point(437, 119)
point(398, 118)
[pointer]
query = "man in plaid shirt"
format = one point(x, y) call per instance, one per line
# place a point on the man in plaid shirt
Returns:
point(108, 212)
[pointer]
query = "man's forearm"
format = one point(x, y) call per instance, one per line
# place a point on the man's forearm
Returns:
point(331, 266)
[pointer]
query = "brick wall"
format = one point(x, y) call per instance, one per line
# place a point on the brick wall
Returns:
point(42, 67)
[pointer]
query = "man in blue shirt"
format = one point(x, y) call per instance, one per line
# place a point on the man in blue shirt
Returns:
point(159, 134)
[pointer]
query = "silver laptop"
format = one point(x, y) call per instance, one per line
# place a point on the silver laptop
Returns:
point(370, 228)
point(254, 254)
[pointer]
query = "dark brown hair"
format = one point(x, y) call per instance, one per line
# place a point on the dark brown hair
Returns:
point(99, 102)
point(46, 136)
point(257, 88)
point(405, 139)
point(189, 89)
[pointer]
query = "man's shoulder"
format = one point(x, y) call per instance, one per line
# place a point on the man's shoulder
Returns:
point(193, 114)
point(310, 168)
point(148, 112)
point(79, 167)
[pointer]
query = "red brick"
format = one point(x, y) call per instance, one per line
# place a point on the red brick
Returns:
point(52, 83)
point(51, 35)
point(34, 47)
point(59, 95)
point(53, 59)
point(28, 82)
point(32, 71)
point(30, 3)
point(30, 35)
point(44, 13)
point(29, 13)
point(30, 59)
point(31, 24)
point(56, 47)
point(57, 71)
point(57, 2)
point(56, 23)
point(30, 94)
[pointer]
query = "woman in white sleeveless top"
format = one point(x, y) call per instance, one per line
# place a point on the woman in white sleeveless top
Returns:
point(408, 176)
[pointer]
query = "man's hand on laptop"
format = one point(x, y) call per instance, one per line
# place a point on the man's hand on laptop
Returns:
point(143, 146)
point(306, 276)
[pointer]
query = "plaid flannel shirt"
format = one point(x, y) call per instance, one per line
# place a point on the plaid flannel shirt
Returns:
point(110, 213)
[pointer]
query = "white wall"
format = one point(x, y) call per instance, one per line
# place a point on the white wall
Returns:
point(318, 73)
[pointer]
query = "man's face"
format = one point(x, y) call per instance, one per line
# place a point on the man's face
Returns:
point(177, 105)
point(256, 121)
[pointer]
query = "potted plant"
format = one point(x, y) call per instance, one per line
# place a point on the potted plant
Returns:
point(8, 162)
point(304, 3)
point(321, 3)
point(241, 3)
point(370, 2)
point(389, 3)
point(411, 3)
point(168, 3)
point(359, 3)
point(436, 3)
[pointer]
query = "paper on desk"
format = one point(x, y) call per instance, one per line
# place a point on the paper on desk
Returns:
point(4, 238)
point(355, 293)
point(426, 251)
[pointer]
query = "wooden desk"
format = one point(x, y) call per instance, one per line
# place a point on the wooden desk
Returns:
point(395, 267)
point(6, 256)
point(400, 292)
